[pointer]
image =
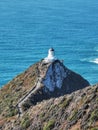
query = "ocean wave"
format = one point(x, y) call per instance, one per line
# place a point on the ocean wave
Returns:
point(90, 60)
point(95, 61)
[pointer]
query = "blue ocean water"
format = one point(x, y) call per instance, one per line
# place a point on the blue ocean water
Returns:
point(28, 28)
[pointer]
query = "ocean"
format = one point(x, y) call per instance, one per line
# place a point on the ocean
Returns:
point(28, 28)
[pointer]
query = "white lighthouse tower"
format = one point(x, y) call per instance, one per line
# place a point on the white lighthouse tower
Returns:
point(51, 56)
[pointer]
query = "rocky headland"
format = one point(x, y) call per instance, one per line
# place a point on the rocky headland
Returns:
point(49, 96)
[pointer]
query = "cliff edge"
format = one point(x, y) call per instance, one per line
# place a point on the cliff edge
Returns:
point(45, 82)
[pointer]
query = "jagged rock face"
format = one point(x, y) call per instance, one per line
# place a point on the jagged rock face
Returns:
point(39, 82)
point(53, 80)
point(44, 81)
point(61, 79)
point(55, 76)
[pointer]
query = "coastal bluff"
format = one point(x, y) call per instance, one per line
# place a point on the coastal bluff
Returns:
point(48, 79)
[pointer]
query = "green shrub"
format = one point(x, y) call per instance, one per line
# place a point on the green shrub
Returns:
point(25, 123)
point(94, 116)
point(65, 102)
point(11, 112)
point(73, 116)
point(42, 115)
point(94, 128)
point(49, 125)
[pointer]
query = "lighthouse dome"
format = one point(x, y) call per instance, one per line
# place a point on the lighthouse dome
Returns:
point(51, 49)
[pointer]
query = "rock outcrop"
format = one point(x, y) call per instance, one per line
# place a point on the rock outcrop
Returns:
point(51, 79)
point(60, 78)
point(54, 80)
point(48, 81)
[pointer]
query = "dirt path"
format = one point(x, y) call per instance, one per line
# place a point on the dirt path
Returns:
point(27, 96)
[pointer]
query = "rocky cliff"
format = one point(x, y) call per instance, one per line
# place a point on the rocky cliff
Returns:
point(42, 81)
point(75, 111)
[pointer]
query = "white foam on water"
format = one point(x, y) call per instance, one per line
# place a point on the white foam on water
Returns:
point(92, 60)
point(95, 61)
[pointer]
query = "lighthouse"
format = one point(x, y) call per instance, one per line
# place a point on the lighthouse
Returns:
point(51, 56)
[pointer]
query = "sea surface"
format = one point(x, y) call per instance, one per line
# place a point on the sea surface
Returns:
point(28, 28)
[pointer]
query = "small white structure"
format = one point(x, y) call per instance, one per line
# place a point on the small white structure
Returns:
point(51, 57)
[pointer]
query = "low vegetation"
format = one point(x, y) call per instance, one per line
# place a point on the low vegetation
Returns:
point(49, 125)
point(25, 122)
point(11, 93)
